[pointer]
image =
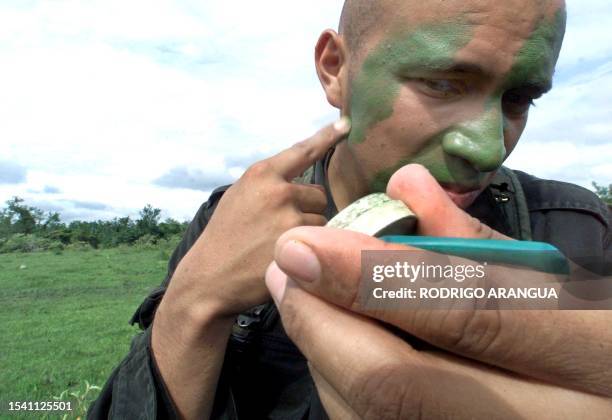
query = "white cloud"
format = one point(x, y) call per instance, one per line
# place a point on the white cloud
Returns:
point(565, 160)
point(101, 98)
point(569, 136)
point(588, 33)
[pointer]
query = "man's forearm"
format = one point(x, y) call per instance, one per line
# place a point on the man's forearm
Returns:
point(189, 349)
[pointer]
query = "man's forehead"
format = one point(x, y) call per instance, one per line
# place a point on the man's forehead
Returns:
point(412, 13)
point(534, 62)
point(519, 17)
point(471, 34)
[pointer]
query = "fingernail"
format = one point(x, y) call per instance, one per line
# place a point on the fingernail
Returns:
point(299, 261)
point(276, 282)
point(343, 124)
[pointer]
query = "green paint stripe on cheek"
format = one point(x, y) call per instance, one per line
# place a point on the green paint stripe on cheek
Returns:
point(378, 83)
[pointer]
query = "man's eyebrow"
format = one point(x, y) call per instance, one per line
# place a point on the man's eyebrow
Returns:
point(464, 67)
point(533, 81)
point(541, 87)
point(441, 64)
point(444, 65)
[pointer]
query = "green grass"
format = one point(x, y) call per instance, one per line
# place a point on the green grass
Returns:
point(64, 318)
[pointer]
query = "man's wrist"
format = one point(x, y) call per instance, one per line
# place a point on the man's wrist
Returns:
point(193, 321)
point(188, 343)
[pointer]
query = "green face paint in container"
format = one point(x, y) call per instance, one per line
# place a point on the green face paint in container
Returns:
point(392, 221)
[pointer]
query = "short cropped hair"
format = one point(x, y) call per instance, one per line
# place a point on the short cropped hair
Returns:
point(357, 20)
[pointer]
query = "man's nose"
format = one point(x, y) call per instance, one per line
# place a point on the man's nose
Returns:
point(480, 141)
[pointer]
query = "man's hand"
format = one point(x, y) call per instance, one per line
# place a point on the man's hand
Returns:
point(226, 266)
point(222, 274)
point(498, 364)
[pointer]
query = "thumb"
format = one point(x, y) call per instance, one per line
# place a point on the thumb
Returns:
point(438, 215)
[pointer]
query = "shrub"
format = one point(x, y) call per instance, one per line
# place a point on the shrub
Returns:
point(21, 242)
point(171, 242)
point(78, 246)
point(146, 242)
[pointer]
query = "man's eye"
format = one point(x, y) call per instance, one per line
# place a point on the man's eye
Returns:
point(442, 88)
point(516, 103)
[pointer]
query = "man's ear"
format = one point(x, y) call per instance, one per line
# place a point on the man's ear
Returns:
point(332, 66)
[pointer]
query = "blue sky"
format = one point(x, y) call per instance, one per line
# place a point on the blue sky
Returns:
point(107, 105)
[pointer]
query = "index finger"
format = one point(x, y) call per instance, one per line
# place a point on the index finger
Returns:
point(294, 161)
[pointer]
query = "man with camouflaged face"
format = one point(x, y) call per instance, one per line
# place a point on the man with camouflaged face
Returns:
point(434, 96)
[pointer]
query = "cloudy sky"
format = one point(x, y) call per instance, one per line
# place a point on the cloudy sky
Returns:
point(107, 105)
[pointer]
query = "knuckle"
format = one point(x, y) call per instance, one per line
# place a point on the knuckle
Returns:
point(474, 332)
point(304, 148)
point(287, 219)
point(293, 220)
point(258, 169)
point(482, 230)
point(313, 195)
point(282, 192)
point(320, 196)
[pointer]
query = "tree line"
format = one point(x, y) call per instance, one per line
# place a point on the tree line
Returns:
point(26, 228)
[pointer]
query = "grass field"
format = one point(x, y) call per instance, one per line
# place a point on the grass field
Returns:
point(64, 318)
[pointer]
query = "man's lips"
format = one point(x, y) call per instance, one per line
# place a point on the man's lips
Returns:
point(463, 197)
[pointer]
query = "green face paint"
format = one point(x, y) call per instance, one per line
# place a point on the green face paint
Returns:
point(444, 169)
point(481, 139)
point(377, 85)
point(535, 62)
